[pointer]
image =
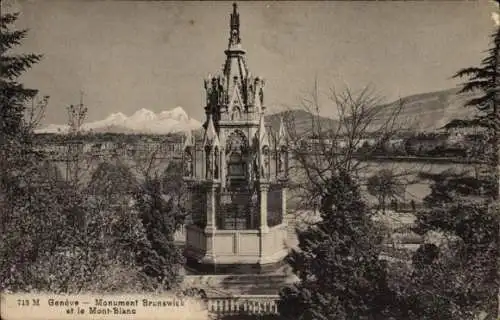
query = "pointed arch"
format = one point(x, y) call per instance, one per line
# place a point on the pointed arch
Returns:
point(236, 141)
point(235, 113)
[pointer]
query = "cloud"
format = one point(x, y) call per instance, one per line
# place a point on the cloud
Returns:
point(496, 18)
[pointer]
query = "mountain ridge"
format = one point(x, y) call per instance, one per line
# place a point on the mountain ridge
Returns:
point(428, 111)
point(141, 121)
point(422, 112)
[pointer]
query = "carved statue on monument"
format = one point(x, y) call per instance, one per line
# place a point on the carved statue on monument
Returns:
point(208, 90)
point(281, 161)
point(220, 89)
point(255, 167)
point(214, 95)
point(250, 93)
point(188, 164)
point(209, 164)
point(265, 168)
point(216, 164)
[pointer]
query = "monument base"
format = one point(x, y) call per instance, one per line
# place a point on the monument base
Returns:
point(206, 268)
point(235, 251)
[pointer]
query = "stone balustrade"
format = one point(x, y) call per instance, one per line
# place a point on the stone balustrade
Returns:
point(249, 304)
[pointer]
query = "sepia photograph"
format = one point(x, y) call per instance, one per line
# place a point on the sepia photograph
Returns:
point(255, 160)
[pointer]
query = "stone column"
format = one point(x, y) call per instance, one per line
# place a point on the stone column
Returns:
point(211, 222)
point(284, 218)
point(189, 203)
point(211, 188)
point(203, 163)
point(223, 167)
point(264, 229)
point(263, 190)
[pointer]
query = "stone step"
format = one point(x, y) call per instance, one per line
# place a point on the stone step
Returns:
point(257, 291)
point(248, 284)
point(257, 285)
point(255, 278)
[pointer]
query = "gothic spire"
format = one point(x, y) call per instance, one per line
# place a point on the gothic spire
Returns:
point(235, 68)
point(234, 25)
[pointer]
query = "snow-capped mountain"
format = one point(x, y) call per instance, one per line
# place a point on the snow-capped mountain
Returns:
point(142, 121)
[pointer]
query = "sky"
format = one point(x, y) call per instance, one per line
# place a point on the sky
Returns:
point(127, 55)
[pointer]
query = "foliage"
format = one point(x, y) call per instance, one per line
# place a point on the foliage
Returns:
point(57, 237)
point(172, 181)
point(483, 80)
point(13, 95)
point(464, 211)
point(341, 275)
point(161, 218)
point(103, 137)
point(63, 241)
point(112, 180)
point(455, 278)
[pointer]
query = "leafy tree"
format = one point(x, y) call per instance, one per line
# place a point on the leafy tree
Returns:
point(112, 180)
point(13, 95)
point(16, 151)
point(455, 278)
point(62, 241)
point(337, 259)
point(23, 206)
point(464, 210)
point(163, 260)
point(54, 237)
point(97, 256)
point(341, 275)
point(173, 184)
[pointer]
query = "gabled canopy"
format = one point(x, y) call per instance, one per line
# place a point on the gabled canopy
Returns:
point(189, 140)
point(235, 100)
point(211, 138)
point(262, 135)
point(282, 135)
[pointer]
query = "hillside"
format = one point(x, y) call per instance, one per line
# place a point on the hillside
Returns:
point(421, 112)
point(302, 120)
point(430, 111)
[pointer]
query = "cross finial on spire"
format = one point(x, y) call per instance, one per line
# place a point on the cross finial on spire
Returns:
point(234, 37)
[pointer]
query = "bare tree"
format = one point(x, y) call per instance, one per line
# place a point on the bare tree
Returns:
point(363, 125)
point(35, 111)
point(384, 186)
point(75, 162)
